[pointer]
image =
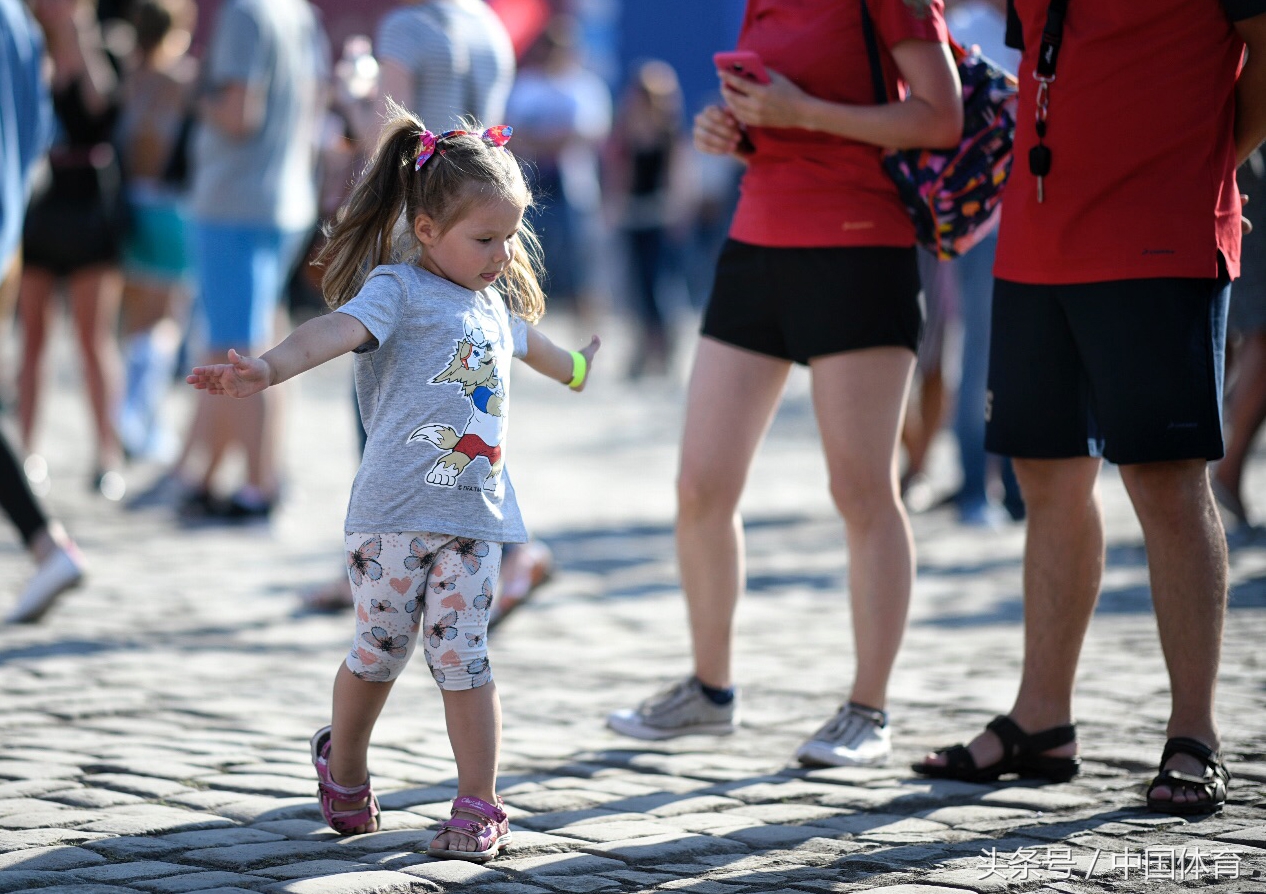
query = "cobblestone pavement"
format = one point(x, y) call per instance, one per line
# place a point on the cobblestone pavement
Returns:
point(153, 729)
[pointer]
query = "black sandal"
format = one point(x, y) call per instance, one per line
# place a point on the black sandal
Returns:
point(1212, 782)
point(1021, 754)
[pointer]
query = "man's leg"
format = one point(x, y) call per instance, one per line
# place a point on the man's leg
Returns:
point(1063, 566)
point(1187, 565)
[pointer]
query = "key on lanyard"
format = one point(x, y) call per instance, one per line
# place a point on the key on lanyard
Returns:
point(1039, 167)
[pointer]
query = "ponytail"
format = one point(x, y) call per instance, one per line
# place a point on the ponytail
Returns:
point(362, 235)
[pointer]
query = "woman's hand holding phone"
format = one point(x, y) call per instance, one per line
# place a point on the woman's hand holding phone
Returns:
point(743, 64)
point(755, 95)
point(780, 103)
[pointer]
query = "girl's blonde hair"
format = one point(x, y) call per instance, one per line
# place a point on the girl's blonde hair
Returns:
point(464, 171)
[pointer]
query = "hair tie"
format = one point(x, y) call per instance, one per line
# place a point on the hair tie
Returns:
point(497, 136)
point(426, 148)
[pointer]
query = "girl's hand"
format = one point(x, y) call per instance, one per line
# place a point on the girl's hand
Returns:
point(717, 131)
point(240, 377)
point(588, 351)
point(776, 104)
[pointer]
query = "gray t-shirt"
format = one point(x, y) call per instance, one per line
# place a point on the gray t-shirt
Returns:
point(276, 48)
point(434, 397)
point(459, 55)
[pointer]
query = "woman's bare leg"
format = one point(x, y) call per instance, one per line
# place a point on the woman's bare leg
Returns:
point(95, 294)
point(729, 406)
point(859, 398)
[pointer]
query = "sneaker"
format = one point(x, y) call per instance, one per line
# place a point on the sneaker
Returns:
point(680, 710)
point(56, 574)
point(855, 737)
point(196, 506)
point(244, 509)
point(981, 515)
point(110, 484)
point(165, 491)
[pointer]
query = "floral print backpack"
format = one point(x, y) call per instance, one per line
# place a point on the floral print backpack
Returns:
point(954, 195)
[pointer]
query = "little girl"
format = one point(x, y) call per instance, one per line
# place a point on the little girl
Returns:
point(432, 503)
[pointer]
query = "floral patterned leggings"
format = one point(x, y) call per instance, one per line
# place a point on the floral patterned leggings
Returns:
point(418, 584)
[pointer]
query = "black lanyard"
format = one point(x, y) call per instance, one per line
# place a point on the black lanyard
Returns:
point(1044, 73)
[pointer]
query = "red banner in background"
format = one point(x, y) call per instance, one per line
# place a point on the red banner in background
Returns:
point(524, 19)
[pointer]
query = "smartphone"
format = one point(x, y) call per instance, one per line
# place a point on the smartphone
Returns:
point(743, 63)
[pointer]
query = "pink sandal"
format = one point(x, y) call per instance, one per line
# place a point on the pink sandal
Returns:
point(329, 791)
point(490, 834)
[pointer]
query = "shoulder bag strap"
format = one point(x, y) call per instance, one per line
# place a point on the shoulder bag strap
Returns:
point(872, 55)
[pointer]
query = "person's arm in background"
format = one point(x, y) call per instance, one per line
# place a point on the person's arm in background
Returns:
point(100, 85)
point(234, 109)
point(931, 116)
point(395, 81)
point(78, 53)
point(238, 97)
point(1250, 89)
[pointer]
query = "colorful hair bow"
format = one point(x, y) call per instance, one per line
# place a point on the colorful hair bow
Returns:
point(497, 135)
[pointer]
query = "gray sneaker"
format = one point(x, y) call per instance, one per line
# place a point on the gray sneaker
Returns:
point(680, 710)
point(855, 737)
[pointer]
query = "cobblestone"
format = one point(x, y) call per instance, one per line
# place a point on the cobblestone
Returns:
point(153, 731)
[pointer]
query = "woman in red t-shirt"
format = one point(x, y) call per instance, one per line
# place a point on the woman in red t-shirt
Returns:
point(819, 270)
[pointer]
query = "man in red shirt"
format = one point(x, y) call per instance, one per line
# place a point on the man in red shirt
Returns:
point(1120, 235)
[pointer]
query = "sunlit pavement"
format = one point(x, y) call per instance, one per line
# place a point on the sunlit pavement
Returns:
point(154, 727)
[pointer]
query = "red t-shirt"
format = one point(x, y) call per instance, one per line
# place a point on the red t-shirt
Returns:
point(808, 189)
point(1140, 127)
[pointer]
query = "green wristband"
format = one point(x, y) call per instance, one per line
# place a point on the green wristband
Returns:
point(579, 369)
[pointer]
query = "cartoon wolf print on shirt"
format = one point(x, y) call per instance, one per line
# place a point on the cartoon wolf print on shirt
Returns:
point(473, 367)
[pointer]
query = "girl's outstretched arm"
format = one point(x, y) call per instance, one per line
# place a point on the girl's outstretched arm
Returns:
point(549, 359)
point(316, 341)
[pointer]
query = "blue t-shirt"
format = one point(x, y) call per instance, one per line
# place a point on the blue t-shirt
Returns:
point(26, 118)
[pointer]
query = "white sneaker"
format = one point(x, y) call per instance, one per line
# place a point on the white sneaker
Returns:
point(680, 710)
point(56, 574)
point(855, 737)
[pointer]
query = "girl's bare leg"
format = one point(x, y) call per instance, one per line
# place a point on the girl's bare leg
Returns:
point(357, 704)
point(474, 730)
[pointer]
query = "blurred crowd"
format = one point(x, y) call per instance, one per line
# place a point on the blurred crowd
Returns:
point(195, 188)
point(172, 168)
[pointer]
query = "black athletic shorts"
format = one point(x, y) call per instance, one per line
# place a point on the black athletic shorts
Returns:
point(1128, 370)
point(799, 303)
